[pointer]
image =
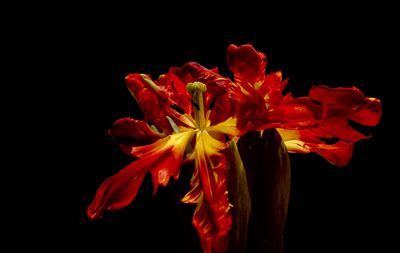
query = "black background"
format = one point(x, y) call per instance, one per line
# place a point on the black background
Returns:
point(331, 209)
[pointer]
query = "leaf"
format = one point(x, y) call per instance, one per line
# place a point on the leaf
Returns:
point(240, 199)
point(268, 175)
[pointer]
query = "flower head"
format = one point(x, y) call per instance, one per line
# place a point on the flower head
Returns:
point(305, 122)
point(190, 130)
point(192, 114)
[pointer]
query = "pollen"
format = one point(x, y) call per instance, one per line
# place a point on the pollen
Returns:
point(196, 86)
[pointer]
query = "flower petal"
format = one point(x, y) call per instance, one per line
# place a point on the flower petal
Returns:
point(156, 101)
point(117, 191)
point(221, 94)
point(348, 103)
point(162, 169)
point(339, 154)
point(150, 101)
point(133, 132)
point(292, 115)
point(212, 218)
point(246, 63)
point(176, 88)
point(162, 159)
point(216, 84)
point(271, 88)
point(335, 128)
point(302, 141)
point(226, 127)
point(337, 106)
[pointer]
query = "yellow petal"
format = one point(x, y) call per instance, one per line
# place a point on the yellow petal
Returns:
point(226, 127)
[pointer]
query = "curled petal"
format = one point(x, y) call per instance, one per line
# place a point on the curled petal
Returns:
point(338, 154)
point(331, 109)
point(117, 191)
point(216, 84)
point(299, 141)
point(246, 63)
point(221, 97)
point(137, 83)
point(369, 113)
point(162, 159)
point(271, 88)
point(325, 114)
point(133, 132)
point(176, 88)
point(149, 99)
point(347, 103)
point(156, 101)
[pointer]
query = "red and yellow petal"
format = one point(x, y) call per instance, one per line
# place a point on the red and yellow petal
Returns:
point(332, 108)
point(162, 159)
point(212, 218)
point(228, 127)
point(300, 141)
point(220, 98)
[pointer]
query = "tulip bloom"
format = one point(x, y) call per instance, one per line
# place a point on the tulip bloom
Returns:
point(187, 133)
point(192, 114)
point(303, 123)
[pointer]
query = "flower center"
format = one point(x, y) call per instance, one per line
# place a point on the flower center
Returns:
point(196, 89)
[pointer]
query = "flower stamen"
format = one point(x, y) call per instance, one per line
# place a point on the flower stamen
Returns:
point(150, 82)
point(197, 89)
point(173, 125)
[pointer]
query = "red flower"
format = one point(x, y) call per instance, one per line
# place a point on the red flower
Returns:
point(302, 122)
point(179, 125)
point(191, 114)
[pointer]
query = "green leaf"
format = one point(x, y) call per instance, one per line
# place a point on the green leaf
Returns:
point(268, 176)
point(240, 199)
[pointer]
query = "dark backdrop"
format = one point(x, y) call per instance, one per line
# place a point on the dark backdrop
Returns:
point(331, 209)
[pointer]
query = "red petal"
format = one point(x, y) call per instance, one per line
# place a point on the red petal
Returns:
point(303, 141)
point(162, 159)
point(345, 97)
point(223, 108)
point(347, 103)
point(216, 84)
point(150, 101)
point(117, 191)
point(369, 113)
point(335, 128)
point(135, 84)
point(133, 132)
point(292, 115)
point(338, 154)
point(176, 88)
point(246, 63)
point(329, 109)
point(272, 86)
point(220, 90)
